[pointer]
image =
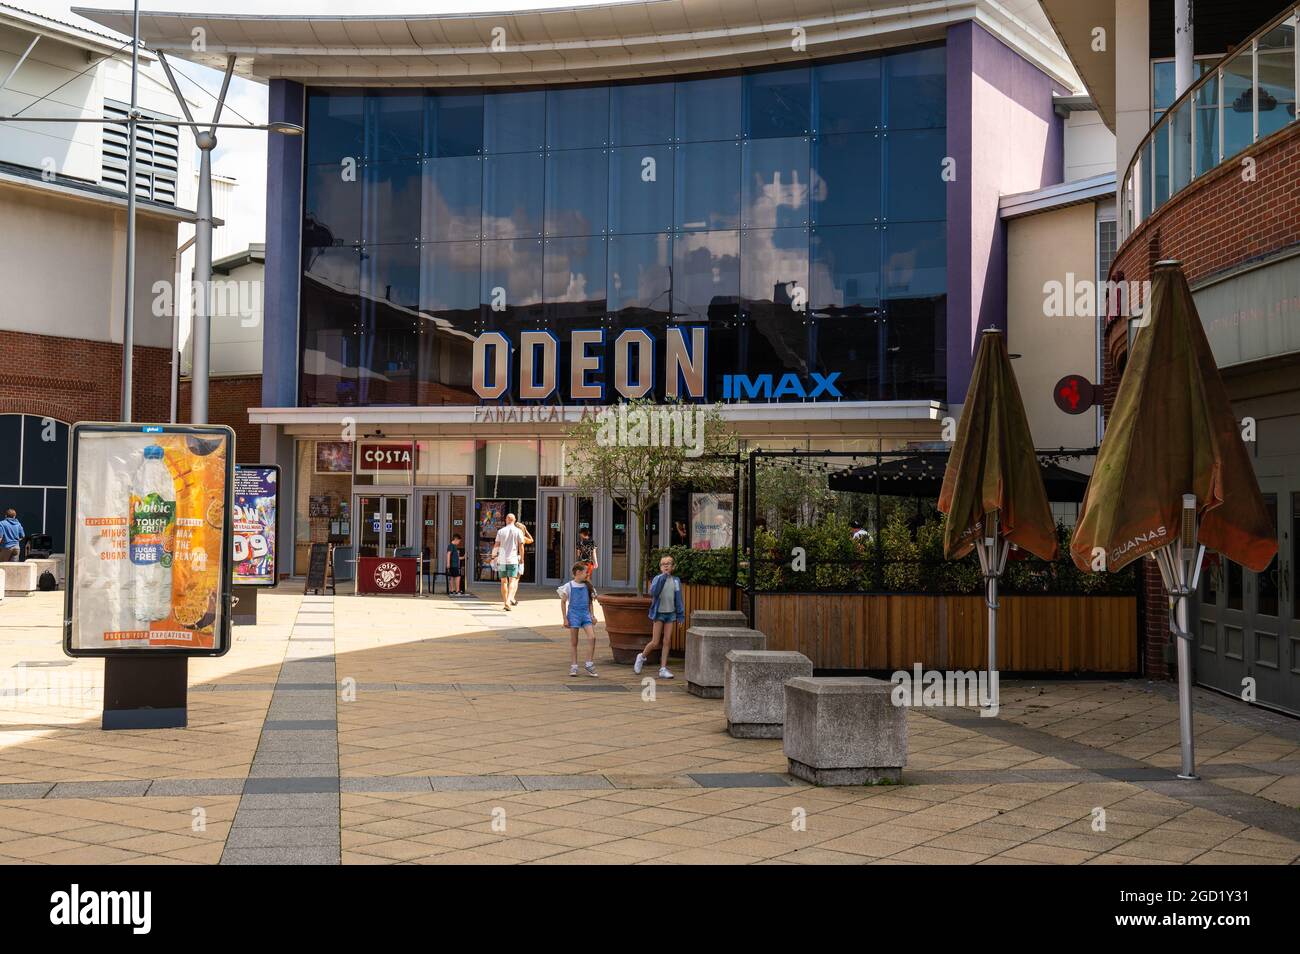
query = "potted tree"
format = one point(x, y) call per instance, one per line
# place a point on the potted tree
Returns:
point(636, 452)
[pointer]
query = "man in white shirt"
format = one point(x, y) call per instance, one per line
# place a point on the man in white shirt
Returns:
point(506, 554)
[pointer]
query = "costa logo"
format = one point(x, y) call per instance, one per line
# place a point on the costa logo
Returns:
point(388, 576)
point(375, 457)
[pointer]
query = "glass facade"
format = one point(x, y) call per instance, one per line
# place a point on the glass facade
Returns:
point(797, 212)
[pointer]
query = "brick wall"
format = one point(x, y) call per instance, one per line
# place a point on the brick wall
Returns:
point(73, 379)
point(1219, 222)
point(229, 399)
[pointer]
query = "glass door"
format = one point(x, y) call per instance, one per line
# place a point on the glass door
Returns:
point(556, 537)
point(621, 546)
point(381, 524)
point(442, 515)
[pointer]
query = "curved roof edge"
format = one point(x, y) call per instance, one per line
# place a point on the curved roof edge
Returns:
point(600, 42)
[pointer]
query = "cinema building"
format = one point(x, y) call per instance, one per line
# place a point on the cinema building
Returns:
point(497, 223)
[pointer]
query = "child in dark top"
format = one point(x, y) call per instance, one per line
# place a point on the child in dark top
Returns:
point(577, 607)
point(455, 580)
point(587, 550)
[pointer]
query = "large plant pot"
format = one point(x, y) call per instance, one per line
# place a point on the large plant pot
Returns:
point(628, 624)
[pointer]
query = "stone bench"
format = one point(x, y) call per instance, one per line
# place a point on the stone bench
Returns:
point(20, 578)
point(730, 619)
point(844, 731)
point(2, 584)
point(706, 655)
point(754, 690)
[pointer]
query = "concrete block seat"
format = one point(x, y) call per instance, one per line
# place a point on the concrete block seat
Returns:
point(20, 578)
point(42, 564)
point(754, 690)
point(731, 619)
point(844, 731)
point(706, 655)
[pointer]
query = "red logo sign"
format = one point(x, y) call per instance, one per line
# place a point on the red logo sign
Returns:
point(1073, 394)
point(374, 457)
point(388, 576)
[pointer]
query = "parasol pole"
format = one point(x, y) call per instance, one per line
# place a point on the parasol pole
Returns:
point(992, 552)
point(1180, 569)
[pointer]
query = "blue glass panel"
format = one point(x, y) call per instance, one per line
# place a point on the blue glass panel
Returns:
point(641, 113)
point(641, 189)
point(1163, 84)
point(846, 179)
point(915, 260)
point(335, 126)
point(453, 198)
point(845, 271)
point(514, 122)
point(1207, 127)
point(706, 276)
point(708, 109)
point(774, 268)
point(577, 117)
point(390, 202)
point(11, 430)
point(708, 186)
point(394, 124)
point(449, 284)
point(328, 326)
point(848, 96)
point(913, 170)
point(577, 198)
point(331, 206)
point(915, 349)
point(778, 102)
point(390, 277)
point(455, 124)
point(511, 287)
point(1238, 121)
point(574, 283)
point(775, 191)
point(916, 89)
point(640, 276)
point(45, 461)
point(512, 195)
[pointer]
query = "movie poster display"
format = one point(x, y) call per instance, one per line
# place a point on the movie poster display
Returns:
point(149, 540)
point(711, 521)
point(256, 510)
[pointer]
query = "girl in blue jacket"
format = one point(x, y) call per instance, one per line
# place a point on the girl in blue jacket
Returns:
point(666, 610)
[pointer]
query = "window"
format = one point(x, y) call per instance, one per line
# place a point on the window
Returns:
point(797, 213)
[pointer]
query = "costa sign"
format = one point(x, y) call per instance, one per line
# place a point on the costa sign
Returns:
point(531, 372)
point(385, 457)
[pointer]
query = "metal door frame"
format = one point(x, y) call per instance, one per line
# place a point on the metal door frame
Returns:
point(444, 528)
point(386, 546)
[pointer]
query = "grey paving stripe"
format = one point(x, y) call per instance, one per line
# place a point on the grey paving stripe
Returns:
point(1249, 809)
point(740, 779)
point(297, 755)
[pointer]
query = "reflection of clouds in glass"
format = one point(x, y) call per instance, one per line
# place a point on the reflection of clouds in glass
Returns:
point(707, 267)
point(781, 190)
point(515, 266)
point(641, 272)
point(770, 265)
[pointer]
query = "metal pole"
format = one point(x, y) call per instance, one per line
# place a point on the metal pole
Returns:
point(1184, 50)
point(993, 545)
point(201, 330)
point(1186, 565)
point(128, 312)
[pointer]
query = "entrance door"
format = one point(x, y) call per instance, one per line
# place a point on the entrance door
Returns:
point(556, 534)
point(442, 514)
point(618, 556)
point(381, 523)
point(1250, 622)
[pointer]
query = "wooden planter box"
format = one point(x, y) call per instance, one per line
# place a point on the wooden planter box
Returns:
point(887, 632)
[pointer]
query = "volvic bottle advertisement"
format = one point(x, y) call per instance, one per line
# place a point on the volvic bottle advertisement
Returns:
point(150, 525)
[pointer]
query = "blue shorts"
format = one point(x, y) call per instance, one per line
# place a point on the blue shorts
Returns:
point(665, 617)
point(579, 620)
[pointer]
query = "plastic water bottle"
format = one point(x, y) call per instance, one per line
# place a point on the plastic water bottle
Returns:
point(151, 535)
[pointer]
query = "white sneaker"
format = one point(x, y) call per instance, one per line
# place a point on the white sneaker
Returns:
point(639, 664)
point(664, 673)
point(590, 667)
point(573, 670)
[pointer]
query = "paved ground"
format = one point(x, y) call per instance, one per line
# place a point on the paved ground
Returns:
point(372, 730)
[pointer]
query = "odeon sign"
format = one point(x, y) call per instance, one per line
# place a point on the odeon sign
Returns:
point(531, 373)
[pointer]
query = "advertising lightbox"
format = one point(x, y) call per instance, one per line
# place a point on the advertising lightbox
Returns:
point(149, 540)
point(256, 510)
